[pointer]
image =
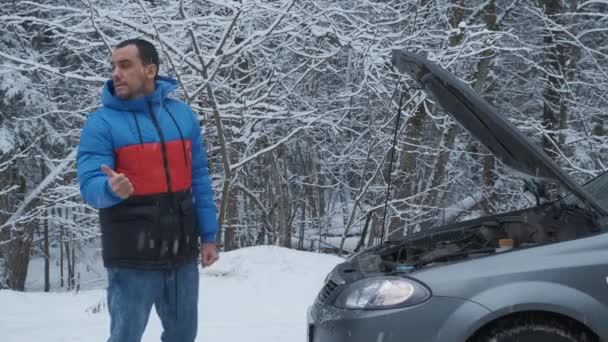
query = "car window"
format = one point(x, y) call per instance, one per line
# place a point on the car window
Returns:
point(597, 187)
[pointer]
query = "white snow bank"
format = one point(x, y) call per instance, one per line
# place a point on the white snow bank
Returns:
point(252, 294)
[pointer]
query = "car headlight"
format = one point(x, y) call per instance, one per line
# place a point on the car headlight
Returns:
point(382, 293)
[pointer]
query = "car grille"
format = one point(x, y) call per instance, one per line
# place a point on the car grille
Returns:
point(326, 291)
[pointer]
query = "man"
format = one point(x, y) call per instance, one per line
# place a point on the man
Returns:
point(141, 161)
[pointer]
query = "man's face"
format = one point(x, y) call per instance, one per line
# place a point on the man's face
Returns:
point(131, 77)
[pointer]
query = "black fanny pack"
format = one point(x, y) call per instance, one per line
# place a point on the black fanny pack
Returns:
point(150, 232)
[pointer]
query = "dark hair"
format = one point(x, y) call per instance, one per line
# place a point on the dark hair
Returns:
point(146, 50)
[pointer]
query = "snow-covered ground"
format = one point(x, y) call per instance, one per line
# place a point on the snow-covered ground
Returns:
point(252, 294)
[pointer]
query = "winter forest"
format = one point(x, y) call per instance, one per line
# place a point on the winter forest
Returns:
point(315, 141)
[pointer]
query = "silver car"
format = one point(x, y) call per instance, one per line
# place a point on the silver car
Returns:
point(537, 274)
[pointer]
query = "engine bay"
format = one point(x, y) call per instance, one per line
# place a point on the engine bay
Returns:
point(485, 236)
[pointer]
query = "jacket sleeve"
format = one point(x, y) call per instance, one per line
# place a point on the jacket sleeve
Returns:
point(95, 149)
point(201, 186)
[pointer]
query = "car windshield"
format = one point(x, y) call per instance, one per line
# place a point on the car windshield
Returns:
point(597, 188)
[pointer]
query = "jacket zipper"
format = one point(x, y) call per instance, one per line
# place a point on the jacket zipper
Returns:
point(164, 245)
point(163, 146)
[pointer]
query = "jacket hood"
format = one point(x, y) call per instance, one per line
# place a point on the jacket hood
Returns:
point(478, 117)
point(164, 87)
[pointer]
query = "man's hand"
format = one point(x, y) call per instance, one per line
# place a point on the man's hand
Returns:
point(208, 254)
point(120, 183)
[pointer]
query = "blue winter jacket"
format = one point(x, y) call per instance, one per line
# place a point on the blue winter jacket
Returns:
point(156, 142)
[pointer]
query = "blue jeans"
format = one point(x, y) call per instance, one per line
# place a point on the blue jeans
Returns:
point(174, 293)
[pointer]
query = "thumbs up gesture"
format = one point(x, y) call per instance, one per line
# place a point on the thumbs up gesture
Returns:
point(120, 183)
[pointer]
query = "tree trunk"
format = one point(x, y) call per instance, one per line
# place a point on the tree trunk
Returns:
point(17, 254)
point(553, 109)
point(302, 225)
point(376, 225)
point(73, 271)
point(61, 256)
point(570, 74)
point(449, 136)
point(47, 257)
point(17, 251)
point(481, 78)
point(286, 202)
point(271, 199)
point(407, 169)
point(231, 221)
point(68, 257)
point(282, 204)
point(399, 224)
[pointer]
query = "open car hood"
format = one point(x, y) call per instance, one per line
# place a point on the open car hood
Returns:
point(478, 117)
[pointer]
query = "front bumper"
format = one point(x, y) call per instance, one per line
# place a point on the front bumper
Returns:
point(440, 319)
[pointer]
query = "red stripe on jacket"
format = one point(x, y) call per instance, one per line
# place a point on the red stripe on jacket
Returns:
point(143, 165)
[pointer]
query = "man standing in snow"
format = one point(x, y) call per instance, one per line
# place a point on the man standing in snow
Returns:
point(141, 161)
